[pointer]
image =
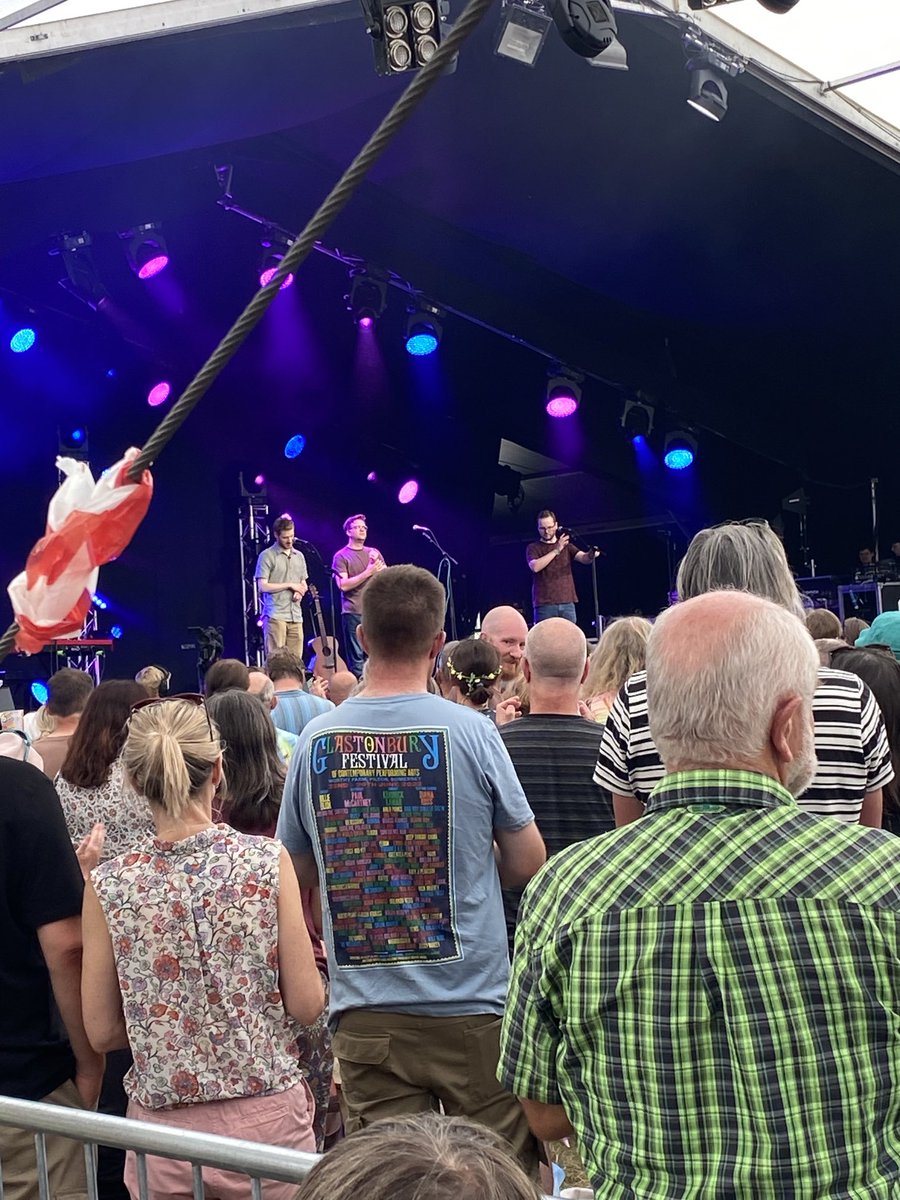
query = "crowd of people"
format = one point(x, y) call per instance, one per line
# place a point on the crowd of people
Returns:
point(286, 909)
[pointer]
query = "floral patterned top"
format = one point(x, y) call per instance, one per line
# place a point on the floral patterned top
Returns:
point(125, 814)
point(194, 930)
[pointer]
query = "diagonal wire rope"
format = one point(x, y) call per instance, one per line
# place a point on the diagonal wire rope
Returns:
point(336, 199)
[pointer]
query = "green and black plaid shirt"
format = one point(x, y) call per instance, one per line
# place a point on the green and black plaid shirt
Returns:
point(713, 994)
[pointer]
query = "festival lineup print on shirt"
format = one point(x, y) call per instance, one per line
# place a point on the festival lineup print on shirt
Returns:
point(382, 806)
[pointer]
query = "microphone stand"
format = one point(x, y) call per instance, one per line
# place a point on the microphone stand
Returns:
point(445, 568)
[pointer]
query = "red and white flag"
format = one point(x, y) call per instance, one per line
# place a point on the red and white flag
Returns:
point(88, 524)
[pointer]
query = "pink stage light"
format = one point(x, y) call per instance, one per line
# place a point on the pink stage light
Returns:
point(153, 266)
point(259, 480)
point(408, 492)
point(562, 406)
point(269, 274)
point(159, 394)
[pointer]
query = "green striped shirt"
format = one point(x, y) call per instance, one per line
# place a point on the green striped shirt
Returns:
point(713, 994)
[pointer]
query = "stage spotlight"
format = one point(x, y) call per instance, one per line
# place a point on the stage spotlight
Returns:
point(115, 631)
point(613, 58)
point(522, 32)
point(73, 443)
point(274, 247)
point(99, 601)
point(254, 490)
point(146, 249)
point(22, 340)
point(508, 483)
point(637, 420)
point(408, 492)
point(82, 278)
point(588, 29)
point(563, 394)
point(159, 393)
point(294, 446)
point(372, 477)
point(40, 690)
point(423, 329)
point(259, 480)
point(680, 450)
point(708, 93)
point(405, 35)
point(773, 6)
point(367, 298)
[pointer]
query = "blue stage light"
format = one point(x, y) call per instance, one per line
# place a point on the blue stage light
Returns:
point(420, 344)
point(39, 691)
point(115, 631)
point(680, 450)
point(76, 437)
point(637, 440)
point(294, 446)
point(22, 340)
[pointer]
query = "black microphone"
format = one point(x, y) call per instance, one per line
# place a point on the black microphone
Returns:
point(421, 529)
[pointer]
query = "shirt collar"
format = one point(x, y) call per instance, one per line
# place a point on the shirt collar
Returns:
point(718, 788)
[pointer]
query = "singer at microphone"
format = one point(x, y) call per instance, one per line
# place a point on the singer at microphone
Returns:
point(550, 561)
point(353, 566)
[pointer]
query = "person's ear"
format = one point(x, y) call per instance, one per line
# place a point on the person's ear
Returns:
point(786, 729)
point(361, 638)
point(526, 669)
point(217, 772)
point(587, 667)
point(437, 645)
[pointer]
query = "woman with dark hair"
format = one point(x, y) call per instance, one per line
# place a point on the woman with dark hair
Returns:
point(91, 784)
point(878, 668)
point(254, 772)
point(473, 669)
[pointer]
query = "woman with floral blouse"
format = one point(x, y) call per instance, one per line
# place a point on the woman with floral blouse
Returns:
point(196, 955)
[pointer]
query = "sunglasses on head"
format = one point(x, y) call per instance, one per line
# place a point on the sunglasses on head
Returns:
point(188, 697)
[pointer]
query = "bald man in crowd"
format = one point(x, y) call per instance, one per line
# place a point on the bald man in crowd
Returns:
point(340, 685)
point(708, 996)
point(505, 628)
point(554, 748)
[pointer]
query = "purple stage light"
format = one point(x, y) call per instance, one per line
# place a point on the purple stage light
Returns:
point(159, 394)
point(366, 322)
point(408, 492)
point(259, 480)
point(562, 406)
point(153, 266)
point(372, 477)
point(269, 274)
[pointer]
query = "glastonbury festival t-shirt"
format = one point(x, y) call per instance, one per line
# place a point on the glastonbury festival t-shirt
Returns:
point(398, 798)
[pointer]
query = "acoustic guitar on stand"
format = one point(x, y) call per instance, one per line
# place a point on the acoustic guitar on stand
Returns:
point(326, 660)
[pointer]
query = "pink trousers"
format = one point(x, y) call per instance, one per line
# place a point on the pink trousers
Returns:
point(283, 1119)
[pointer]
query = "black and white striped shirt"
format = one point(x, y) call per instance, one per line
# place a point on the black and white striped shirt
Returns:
point(851, 746)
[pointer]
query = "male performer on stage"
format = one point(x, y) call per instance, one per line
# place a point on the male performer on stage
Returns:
point(553, 588)
point(281, 578)
point(353, 567)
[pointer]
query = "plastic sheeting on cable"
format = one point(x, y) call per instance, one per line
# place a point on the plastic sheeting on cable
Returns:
point(88, 524)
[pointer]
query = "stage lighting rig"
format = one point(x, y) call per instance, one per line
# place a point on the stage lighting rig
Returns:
point(405, 33)
point(275, 246)
point(82, 278)
point(773, 6)
point(367, 298)
point(589, 28)
point(680, 450)
point(424, 328)
point(523, 31)
point(563, 392)
point(637, 419)
point(146, 249)
point(709, 64)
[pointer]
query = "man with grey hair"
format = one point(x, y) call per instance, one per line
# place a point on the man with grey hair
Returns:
point(707, 997)
point(262, 687)
point(851, 743)
point(554, 749)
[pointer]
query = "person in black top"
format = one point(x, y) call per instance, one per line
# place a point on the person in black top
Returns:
point(554, 749)
point(44, 1051)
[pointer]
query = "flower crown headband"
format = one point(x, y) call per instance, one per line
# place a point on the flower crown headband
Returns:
point(472, 678)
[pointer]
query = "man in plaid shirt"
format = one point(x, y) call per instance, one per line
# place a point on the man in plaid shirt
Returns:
point(710, 997)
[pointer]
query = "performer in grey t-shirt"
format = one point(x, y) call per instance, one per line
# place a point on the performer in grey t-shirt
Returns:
point(353, 567)
point(281, 578)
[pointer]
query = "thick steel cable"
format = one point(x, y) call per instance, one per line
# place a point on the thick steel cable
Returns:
point(336, 199)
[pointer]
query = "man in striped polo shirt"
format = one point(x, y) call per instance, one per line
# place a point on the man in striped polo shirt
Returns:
point(854, 759)
point(708, 996)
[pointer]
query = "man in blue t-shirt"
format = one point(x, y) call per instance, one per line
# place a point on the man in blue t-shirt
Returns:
point(407, 812)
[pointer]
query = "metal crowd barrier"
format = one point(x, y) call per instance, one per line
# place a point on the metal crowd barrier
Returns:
point(253, 1159)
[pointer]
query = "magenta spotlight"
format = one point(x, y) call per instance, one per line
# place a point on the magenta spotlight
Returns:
point(372, 477)
point(153, 266)
point(159, 394)
point(408, 492)
point(366, 322)
point(268, 275)
point(259, 480)
point(561, 406)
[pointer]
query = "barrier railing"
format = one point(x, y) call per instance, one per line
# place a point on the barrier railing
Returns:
point(253, 1159)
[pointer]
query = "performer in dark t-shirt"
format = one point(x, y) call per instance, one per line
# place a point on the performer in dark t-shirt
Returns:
point(553, 588)
point(353, 567)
